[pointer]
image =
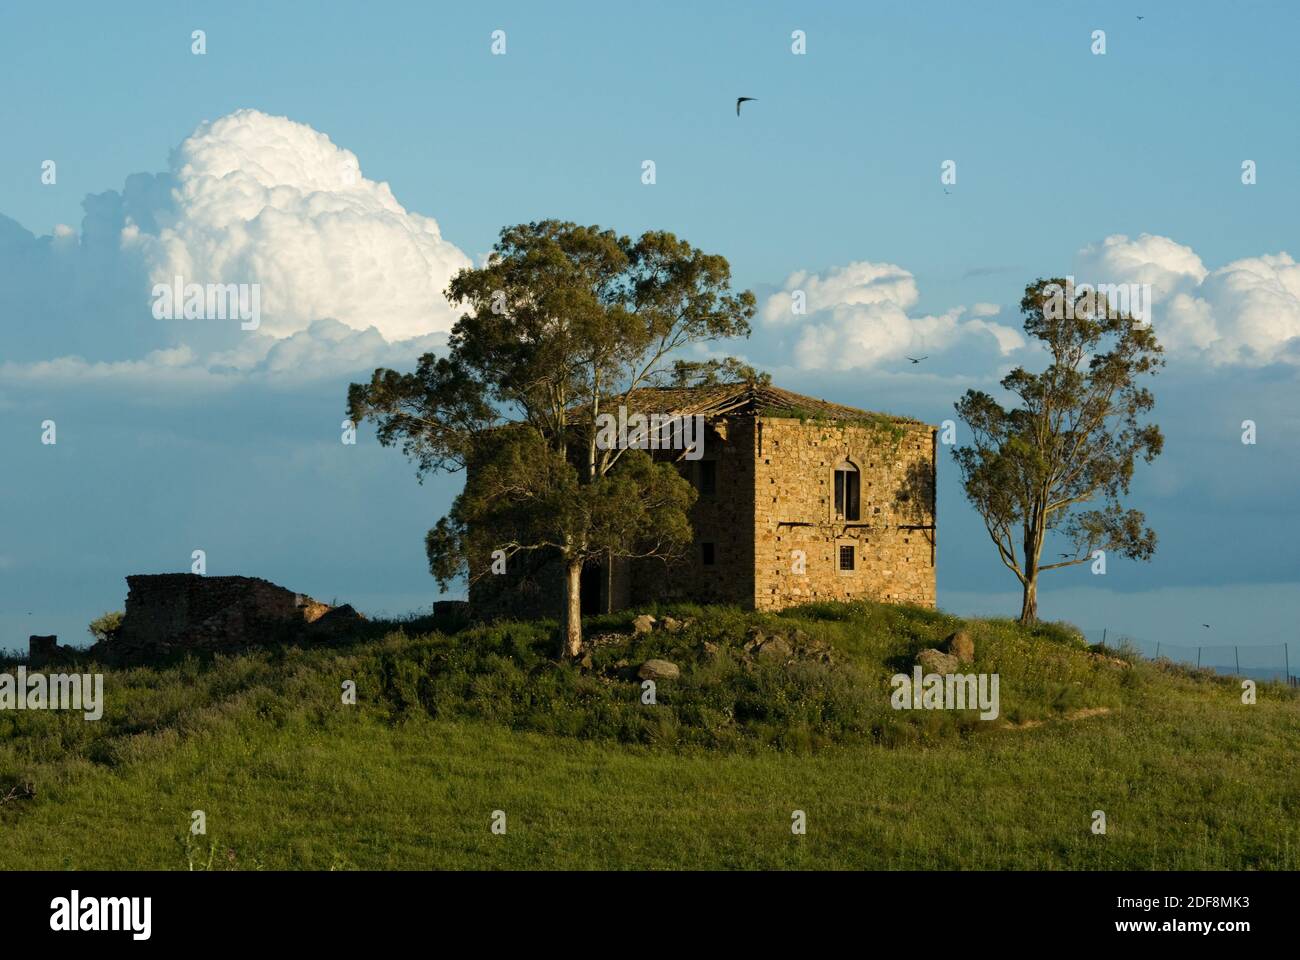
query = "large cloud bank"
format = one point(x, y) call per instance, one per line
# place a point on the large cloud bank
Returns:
point(343, 270)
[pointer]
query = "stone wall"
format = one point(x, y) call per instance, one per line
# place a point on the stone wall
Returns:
point(723, 518)
point(893, 540)
point(172, 611)
point(531, 588)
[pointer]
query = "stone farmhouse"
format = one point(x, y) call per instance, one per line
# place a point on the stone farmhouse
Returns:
point(800, 500)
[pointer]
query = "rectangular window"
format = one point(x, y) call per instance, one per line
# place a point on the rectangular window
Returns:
point(846, 557)
point(706, 554)
point(847, 495)
point(708, 477)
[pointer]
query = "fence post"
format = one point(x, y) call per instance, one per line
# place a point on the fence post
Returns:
point(1198, 658)
point(1157, 649)
point(1238, 657)
point(1286, 650)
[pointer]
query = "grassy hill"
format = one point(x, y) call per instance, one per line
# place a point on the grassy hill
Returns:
point(449, 728)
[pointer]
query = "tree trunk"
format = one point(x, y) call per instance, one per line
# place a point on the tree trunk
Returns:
point(571, 643)
point(1029, 609)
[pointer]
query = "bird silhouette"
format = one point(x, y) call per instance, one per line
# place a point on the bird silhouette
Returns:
point(740, 100)
point(1065, 554)
point(919, 359)
point(1141, 18)
point(1206, 626)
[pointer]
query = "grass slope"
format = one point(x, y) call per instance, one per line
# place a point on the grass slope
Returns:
point(448, 729)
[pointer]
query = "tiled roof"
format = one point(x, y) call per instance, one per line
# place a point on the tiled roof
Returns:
point(743, 399)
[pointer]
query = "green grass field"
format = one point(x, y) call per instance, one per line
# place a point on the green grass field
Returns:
point(448, 729)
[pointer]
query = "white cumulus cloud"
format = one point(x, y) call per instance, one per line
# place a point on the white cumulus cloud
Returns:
point(1246, 312)
point(859, 316)
point(261, 199)
point(347, 277)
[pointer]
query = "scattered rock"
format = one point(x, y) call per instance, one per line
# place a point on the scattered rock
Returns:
point(961, 646)
point(643, 624)
point(775, 648)
point(658, 670)
point(710, 650)
point(671, 625)
point(936, 661)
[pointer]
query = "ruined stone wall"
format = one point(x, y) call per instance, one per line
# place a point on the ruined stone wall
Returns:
point(894, 539)
point(179, 608)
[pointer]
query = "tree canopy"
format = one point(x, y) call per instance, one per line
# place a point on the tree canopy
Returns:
point(1070, 440)
point(561, 324)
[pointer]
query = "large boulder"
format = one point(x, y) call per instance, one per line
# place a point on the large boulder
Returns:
point(961, 646)
point(936, 661)
point(658, 670)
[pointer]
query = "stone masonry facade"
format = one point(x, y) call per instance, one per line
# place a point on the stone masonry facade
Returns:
point(800, 541)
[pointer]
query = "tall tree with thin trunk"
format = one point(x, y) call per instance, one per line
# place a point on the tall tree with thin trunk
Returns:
point(561, 324)
point(1071, 440)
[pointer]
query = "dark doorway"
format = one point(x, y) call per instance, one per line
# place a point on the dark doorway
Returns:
point(593, 573)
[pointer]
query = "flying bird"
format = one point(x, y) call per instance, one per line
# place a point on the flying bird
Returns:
point(919, 359)
point(1206, 626)
point(740, 100)
point(1141, 18)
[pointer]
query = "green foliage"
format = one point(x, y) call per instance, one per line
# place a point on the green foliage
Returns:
point(562, 323)
point(447, 728)
point(1072, 440)
point(712, 372)
point(106, 626)
point(522, 497)
point(882, 423)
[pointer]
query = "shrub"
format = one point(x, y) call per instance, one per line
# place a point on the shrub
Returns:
point(105, 628)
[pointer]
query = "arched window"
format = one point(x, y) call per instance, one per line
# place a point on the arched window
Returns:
point(848, 492)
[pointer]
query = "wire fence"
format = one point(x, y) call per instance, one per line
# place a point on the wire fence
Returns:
point(1260, 661)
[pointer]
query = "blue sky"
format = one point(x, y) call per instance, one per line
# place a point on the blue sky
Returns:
point(178, 438)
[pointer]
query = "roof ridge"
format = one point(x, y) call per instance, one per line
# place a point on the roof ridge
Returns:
point(754, 396)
